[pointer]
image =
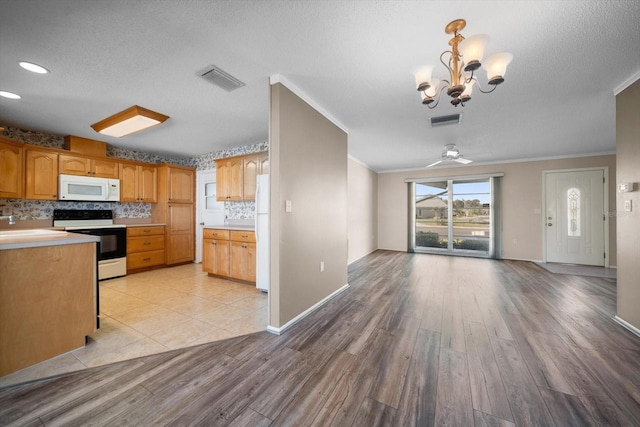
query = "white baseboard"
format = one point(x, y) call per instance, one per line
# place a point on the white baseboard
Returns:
point(627, 325)
point(290, 323)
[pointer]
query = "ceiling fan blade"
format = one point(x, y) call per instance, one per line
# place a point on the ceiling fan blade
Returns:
point(463, 161)
point(435, 163)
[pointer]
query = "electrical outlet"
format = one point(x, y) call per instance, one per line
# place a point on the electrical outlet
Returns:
point(628, 206)
point(321, 266)
point(7, 210)
point(287, 206)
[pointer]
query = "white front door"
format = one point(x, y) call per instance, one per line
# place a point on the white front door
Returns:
point(574, 222)
point(209, 211)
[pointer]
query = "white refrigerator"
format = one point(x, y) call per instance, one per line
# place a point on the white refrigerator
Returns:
point(262, 233)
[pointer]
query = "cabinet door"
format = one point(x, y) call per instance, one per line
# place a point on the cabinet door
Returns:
point(243, 261)
point(249, 261)
point(128, 182)
point(222, 180)
point(71, 165)
point(208, 255)
point(180, 227)
point(181, 184)
point(11, 174)
point(250, 170)
point(42, 175)
point(221, 266)
point(263, 160)
point(104, 168)
point(148, 184)
point(215, 258)
point(236, 181)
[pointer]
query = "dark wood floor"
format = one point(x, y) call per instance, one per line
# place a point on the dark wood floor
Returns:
point(417, 340)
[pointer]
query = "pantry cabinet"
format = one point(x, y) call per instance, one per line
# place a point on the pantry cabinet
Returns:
point(138, 182)
point(236, 176)
point(175, 208)
point(11, 169)
point(88, 166)
point(41, 170)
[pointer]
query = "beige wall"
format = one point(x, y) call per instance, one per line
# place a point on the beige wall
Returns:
point(628, 170)
point(309, 167)
point(363, 210)
point(522, 203)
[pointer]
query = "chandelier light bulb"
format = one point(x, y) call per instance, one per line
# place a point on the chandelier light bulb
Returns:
point(472, 50)
point(496, 66)
point(423, 78)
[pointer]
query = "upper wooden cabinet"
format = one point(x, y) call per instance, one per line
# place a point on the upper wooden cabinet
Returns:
point(236, 176)
point(138, 182)
point(41, 170)
point(180, 183)
point(263, 160)
point(80, 165)
point(11, 169)
point(229, 179)
point(250, 168)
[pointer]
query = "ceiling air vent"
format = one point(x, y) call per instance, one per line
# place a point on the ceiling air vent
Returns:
point(451, 119)
point(219, 78)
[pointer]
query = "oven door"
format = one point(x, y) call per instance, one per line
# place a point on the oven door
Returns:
point(113, 241)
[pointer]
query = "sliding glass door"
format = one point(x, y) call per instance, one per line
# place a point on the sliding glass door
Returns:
point(453, 216)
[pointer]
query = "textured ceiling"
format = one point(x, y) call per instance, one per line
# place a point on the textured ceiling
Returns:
point(353, 58)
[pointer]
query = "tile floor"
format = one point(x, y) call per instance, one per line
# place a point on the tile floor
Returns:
point(156, 311)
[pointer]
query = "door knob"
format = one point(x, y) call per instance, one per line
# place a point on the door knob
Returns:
point(549, 224)
point(202, 223)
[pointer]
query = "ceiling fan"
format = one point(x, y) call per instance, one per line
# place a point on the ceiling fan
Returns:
point(451, 154)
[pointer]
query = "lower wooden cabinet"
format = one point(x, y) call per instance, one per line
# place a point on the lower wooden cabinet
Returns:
point(230, 253)
point(243, 255)
point(145, 248)
point(215, 257)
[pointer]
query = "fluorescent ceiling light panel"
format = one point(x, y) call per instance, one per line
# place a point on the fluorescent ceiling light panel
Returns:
point(129, 121)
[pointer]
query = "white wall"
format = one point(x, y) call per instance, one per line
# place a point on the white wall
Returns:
point(362, 210)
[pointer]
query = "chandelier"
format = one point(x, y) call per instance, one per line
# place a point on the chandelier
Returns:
point(465, 57)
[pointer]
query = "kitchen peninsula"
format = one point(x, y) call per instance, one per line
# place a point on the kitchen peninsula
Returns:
point(48, 295)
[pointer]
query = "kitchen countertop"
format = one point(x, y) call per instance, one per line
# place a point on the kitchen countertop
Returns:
point(231, 227)
point(17, 239)
point(146, 225)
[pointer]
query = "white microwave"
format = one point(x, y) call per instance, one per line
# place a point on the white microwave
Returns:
point(88, 188)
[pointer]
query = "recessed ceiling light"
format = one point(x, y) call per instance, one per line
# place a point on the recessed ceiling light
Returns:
point(9, 95)
point(35, 68)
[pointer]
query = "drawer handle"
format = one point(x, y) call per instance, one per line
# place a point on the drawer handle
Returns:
point(147, 243)
point(146, 230)
point(146, 259)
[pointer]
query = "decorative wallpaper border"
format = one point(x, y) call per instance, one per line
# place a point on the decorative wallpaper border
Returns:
point(43, 209)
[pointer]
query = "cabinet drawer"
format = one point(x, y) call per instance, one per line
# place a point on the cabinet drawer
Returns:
point(145, 259)
point(145, 231)
point(243, 236)
point(212, 233)
point(145, 243)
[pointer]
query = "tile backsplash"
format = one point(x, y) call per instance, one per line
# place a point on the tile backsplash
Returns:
point(43, 209)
